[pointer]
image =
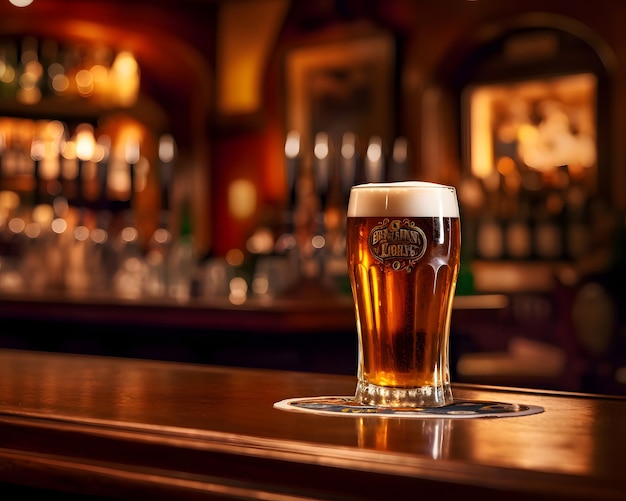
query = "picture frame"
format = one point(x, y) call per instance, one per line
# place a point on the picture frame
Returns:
point(342, 85)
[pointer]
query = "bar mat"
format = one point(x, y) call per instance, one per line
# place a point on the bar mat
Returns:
point(459, 409)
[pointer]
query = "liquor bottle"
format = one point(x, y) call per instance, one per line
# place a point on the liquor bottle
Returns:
point(326, 187)
point(518, 230)
point(323, 166)
point(49, 54)
point(489, 231)
point(9, 58)
point(397, 165)
point(159, 246)
point(489, 238)
point(576, 224)
point(182, 259)
point(374, 161)
point(128, 281)
point(548, 231)
point(293, 161)
point(350, 163)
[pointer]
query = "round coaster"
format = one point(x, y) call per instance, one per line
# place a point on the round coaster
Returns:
point(459, 409)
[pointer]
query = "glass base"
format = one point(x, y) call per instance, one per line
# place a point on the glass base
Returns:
point(423, 396)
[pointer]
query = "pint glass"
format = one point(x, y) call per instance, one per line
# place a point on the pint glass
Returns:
point(403, 249)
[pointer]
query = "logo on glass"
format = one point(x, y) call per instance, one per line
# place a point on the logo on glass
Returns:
point(399, 243)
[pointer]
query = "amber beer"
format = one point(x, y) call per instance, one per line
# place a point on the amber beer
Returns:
point(403, 251)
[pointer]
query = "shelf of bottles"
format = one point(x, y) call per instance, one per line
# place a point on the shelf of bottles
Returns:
point(535, 217)
point(68, 215)
point(73, 163)
point(529, 193)
point(34, 70)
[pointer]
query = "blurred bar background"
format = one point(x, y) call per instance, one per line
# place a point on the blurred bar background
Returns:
point(174, 176)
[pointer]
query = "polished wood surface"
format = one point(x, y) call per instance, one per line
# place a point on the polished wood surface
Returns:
point(122, 428)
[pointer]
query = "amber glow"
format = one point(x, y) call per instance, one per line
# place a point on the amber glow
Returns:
point(546, 123)
point(242, 197)
point(125, 79)
point(167, 148)
point(374, 160)
point(85, 142)
point(292, 144)
point(480, 126)
point(431, 435)
point(39, 66)
point(125, 151)
point(243, 46)
point(574, 458)
point(235, 257)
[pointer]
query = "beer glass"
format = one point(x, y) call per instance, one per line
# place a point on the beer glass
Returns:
point(403, 243)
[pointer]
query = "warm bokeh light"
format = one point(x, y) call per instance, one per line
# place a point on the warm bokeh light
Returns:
point(129, 234)
point(292, 144)
point(43, 214)
point(261, 241)
point(142, 169)
point(59, 225)
point(349, 161)
point(32, 230)
point(125, 79)
point(99, 236)
point(9, 201)
point(348, 145)
point(60, 82)
point(400, 151)
point(7, 73)
point(318, 241)
point(81, 233)
point(242, 198)
point(374, 160)
point(167, 148)
point(321, 147)
point(85, 142)
point(84, 82)
point(118, 180)
point(37, 149)
point(17, 225)
point(481, 147)
point(235, 257)
point(103, 148)
point(238, 291)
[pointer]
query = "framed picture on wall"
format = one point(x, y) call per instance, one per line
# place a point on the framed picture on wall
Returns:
point(340, 86)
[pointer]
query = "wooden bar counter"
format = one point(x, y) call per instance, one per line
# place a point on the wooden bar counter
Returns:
point(305, 332)
point(114, 428)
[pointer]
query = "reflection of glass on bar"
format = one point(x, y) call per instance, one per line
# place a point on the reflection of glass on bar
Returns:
point(428, 437)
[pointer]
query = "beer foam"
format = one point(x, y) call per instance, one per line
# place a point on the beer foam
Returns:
point(405, 198)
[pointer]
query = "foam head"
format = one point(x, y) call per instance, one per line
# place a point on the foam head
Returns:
point(406, 198)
